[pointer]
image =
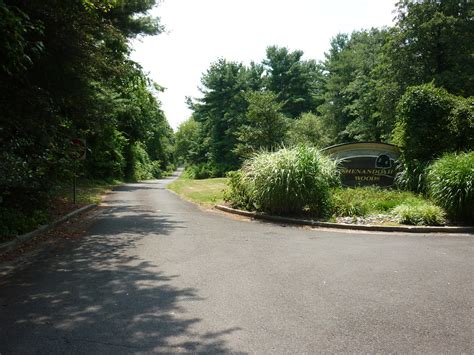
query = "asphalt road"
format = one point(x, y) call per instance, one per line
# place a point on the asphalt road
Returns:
point(158, 274)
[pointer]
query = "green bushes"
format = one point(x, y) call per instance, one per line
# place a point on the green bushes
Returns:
point(239, 193)
point(430, 122)
point(139, 165)
point(425, 214)
point(451, 185)
point(287, 181)
point(363, 201)
point(206, 170)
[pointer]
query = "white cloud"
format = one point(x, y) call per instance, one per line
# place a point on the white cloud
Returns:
point(200, 31)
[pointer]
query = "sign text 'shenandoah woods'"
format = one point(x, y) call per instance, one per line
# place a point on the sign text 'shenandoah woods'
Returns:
point(363, 164)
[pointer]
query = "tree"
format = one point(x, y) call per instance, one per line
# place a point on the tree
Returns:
point(65, 73)
point(221, 110)
point(433, 41)
point(266, 126)
point(308, 130)
point(430, 122)
point(294, 80)
point(352, 107)
point(188, 138)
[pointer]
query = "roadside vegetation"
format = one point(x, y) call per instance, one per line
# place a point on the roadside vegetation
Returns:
point(61, 203)
point(379, 206)
point(65, 74)
point(411, 85)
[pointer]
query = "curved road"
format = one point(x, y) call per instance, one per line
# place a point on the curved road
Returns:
point(157, 274)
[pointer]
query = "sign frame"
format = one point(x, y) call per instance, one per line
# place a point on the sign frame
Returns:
point(366, 163)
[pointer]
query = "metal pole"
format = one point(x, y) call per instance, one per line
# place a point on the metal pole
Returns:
point(74, 185)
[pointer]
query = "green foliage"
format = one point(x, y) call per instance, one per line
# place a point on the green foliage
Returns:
point(424, 214)
point(228, 130)
point(106, 154)
point(206, 170)
point(432, 41)
point(309, 129)
point(363, 201)
point(139, 165)
point(355, 90)
point(451, 185)
point(265, 127)
point(425, 126)
point(239, 193)
point(221, 110)
point(430, 122)
point(15, 221)
point(411, 175)
point(351, 99)
point(293, 80)
point(289, 180)
point(65, 73)
point(18, 52)
point(187, 141)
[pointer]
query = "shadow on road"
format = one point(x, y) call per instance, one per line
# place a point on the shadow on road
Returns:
point(94, 296)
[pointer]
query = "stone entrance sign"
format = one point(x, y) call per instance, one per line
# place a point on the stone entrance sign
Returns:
point(364, 164)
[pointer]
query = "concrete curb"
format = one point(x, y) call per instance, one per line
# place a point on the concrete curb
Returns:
point(20, 239)
point(373, 228)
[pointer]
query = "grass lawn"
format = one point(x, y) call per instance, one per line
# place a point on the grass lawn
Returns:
point(207, 192)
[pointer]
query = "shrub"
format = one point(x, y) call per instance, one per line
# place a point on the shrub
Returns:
point(430, 122)
point(451, 185)
point(421, 214)
point(15, 222)
point(139, 165)
point(309, 129)
point(238, 194)
point(289, 180)
point(362, 201)
point(411, 175)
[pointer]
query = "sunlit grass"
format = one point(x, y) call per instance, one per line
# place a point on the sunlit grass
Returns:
point(87, 191)
point(206, 192)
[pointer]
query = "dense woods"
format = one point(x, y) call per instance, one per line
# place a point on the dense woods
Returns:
point(65, 73)
point(366, 89)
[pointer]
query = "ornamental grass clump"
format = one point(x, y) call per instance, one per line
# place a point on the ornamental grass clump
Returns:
point(451, 185)
point(425, 214)
point(291, 180)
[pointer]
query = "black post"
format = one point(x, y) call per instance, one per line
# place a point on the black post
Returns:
point(74, 184)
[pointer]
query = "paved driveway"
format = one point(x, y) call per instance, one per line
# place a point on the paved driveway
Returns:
point(157, 274)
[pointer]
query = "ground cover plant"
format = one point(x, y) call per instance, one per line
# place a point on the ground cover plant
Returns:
point(424, 213)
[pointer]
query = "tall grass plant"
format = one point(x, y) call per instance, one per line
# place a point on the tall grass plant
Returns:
point(291, 180)
point(451, 185)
